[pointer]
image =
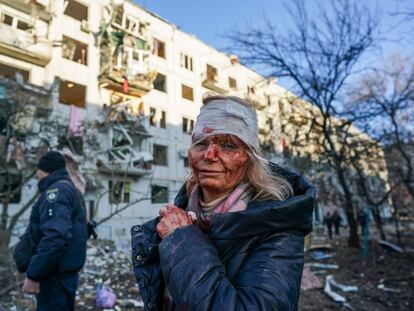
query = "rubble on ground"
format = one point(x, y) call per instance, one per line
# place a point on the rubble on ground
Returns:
point(107, 264)
point(337, 277)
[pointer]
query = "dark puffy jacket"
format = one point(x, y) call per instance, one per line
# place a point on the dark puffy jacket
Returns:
point(249, 260)
point(54, 244)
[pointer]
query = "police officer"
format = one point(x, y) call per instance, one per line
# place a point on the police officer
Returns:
point(53, 249)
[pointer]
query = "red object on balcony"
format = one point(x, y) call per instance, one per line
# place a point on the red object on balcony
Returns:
point(125, 85)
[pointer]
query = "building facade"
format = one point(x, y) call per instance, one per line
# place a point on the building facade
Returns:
point(121, 89)
point(117, 89)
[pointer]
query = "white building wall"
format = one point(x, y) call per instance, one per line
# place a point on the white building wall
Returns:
point(171, 102)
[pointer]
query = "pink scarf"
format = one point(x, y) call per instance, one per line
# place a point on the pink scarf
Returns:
point(236, 201)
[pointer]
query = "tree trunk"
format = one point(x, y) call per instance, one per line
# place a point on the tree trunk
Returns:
point(378, 221)
point(396, 221)
point(5, 253)
point(353, 239)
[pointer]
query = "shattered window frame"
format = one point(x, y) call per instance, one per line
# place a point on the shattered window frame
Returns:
point(153, 116)
point(91, 209)
point(119, 191)
point(160, 155)
point(160, 83)
point(159, 194)
point(163, 120)
point(211, 73)
point(14, 182)
point(159, 48)
point(9, 72)
point(78, 48)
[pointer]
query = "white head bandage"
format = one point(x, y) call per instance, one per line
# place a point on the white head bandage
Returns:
point(227, 116)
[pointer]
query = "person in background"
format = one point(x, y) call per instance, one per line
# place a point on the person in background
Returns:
point(337, 221)
point(234, 237)
point(328, 220)
point(53, 248)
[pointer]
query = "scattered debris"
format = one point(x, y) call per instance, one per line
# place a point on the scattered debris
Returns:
point(320, 255)
point(388, 289)
point(321, 266)
point(391, 246)
point(344, 288)
point(330, 282)
point(107, 271)
point(328, 290)
point(310, 280)
point(105, 297)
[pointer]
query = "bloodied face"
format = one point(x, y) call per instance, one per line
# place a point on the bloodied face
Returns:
point(219, 163)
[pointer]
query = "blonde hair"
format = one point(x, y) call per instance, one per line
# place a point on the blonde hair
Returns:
point(265, 184)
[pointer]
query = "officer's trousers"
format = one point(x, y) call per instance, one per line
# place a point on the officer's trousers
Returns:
point(57, 294)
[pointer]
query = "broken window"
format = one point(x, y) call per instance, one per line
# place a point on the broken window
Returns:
point(118, 17)
point(10, 72)
point(211, 73)
point(152, 117)
point(7, 19)
point(188, 125)
point(159, 48)
point(232, 83)
point(74, 143)
point(163, 120)
point(187, 92)
point(91, 210)
point(119, 191)
point(160, 155)
point(160, 83)
point(120, 138)
point(10, 187)
point(132, 25)
point(159, 194)
point(75, 50)
point(76, 10)
point(71, 93)
point(186, 62)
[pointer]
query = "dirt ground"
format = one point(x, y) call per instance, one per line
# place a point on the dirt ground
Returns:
point(385, 278)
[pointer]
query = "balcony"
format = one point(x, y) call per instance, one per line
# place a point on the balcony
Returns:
point(214, 85)
point(120, 80)
point(38, 8)
point(22, 45)
point(259, 101)
point(25, 96)
point(125, 161)
point(125, 51)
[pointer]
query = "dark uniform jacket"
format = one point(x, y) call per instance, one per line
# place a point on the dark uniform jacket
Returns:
point(249, 260)
point(54, 244)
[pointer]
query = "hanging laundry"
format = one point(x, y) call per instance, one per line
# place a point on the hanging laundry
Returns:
point(75, 123)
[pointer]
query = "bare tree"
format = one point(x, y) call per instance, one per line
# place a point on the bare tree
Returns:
point(386, 97)
point(319, 56)
point(384, 101)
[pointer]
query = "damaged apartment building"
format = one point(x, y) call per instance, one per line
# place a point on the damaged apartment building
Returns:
point(117, 90)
